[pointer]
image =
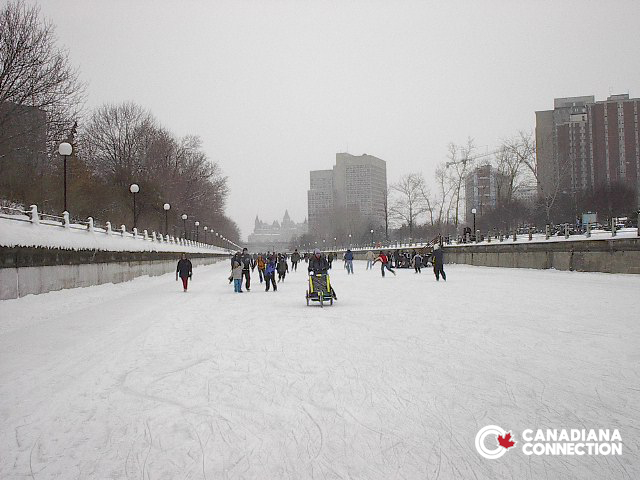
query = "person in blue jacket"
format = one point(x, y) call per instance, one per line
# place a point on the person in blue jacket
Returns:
point(348, 261)
point(270, 274)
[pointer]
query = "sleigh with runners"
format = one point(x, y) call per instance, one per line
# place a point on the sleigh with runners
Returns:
point(320, 289)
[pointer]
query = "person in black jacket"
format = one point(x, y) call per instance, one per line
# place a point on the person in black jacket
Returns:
point(184, 270)
point(437, 258)
point(247, 265)
point(318, 264)
point(295, 258)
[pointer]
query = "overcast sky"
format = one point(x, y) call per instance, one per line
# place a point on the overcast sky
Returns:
point(276, 88)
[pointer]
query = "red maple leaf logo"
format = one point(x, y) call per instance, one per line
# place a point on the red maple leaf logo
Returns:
point(506, 441)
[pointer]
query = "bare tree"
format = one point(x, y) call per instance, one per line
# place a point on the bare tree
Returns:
point(445, 188)
point(460, 159)
point(523, 148)
point(35, 73)
point(410, 201)
point(509, 167)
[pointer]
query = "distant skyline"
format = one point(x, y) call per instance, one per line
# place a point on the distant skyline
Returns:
point(277, 88)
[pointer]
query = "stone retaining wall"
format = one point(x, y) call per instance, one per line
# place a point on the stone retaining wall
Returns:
point(25, 271)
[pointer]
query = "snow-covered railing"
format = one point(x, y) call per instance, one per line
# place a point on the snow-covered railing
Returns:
point(515, 236)
point(89, 225)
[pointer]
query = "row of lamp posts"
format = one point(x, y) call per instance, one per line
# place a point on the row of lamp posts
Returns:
point(65, 149)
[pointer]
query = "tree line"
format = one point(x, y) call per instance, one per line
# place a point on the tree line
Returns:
point(42, 102)
point(416, 209)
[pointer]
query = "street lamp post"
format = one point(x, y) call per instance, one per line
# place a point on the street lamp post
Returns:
point(473, 210)
point(349, 240)
point(65, 150)
point(166, 207)
point(205, 233)
point(134, 188)
point(184, 225)
point(372, 238)
point(197, 225)
point(335, 243)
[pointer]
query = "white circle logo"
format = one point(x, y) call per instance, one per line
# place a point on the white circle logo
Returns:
point(489, 453)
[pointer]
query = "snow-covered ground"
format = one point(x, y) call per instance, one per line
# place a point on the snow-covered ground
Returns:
point(24, 233)
point(139, 380)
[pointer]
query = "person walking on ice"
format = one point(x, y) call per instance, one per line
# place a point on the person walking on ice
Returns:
point(370, 258)
point(184, 271)
point(295, 258)
point(348, 261)
point(236, 272)
point(247, 264)
point(437, 258)
point(283, 268)
point(417, 262)
point(384, 261)
point(270, 274)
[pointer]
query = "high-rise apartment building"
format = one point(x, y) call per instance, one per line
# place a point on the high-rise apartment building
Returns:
point(481, 189)
point(356, 183)
point(583, 144)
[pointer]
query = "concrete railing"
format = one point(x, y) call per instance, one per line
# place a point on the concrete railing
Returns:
point(619, 255)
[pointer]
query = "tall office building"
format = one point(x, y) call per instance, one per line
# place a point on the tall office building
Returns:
point(356, 183)
point(583, 144)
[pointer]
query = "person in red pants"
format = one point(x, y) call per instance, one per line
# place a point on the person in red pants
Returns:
point(184, 270)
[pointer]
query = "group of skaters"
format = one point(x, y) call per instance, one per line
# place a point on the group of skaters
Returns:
point(406, 259)
point(272, 263)
point(268, 265)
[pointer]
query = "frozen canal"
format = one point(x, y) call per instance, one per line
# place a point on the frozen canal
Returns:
point(139, 380)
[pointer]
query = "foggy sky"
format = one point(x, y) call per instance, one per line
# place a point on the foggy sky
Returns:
point(276, 88)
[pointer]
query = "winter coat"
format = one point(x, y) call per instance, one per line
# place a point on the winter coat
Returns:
point(184, 268)
point(437, 257)
point(318, 264)
point(283, 266)
point(247, 261)
point(417, 260)
point(382, 258)
point(260, 263)
point(370, 256)
point(348, 256)
point(271, 268)
point(295, 257)
point(237, 271)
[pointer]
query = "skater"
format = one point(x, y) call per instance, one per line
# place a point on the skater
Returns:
point(236, 272)
point(247, 262)
point(282, 267)
point(184, 270)
point(437, 258)
point(270, 274)
point(384, 263)
point(330, 260)
point(370, 258)
point(318, 265)
point(348, 261)
point(295, 258)
point(417, 262)
point(261, 264)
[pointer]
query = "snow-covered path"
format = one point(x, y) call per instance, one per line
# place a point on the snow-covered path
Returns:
point(138, 380)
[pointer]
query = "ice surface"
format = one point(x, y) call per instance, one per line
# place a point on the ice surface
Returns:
point(140, 380)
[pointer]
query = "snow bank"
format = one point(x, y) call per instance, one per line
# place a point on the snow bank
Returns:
point(19, 231)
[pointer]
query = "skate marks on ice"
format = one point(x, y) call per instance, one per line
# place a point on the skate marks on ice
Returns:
point(393, 381)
